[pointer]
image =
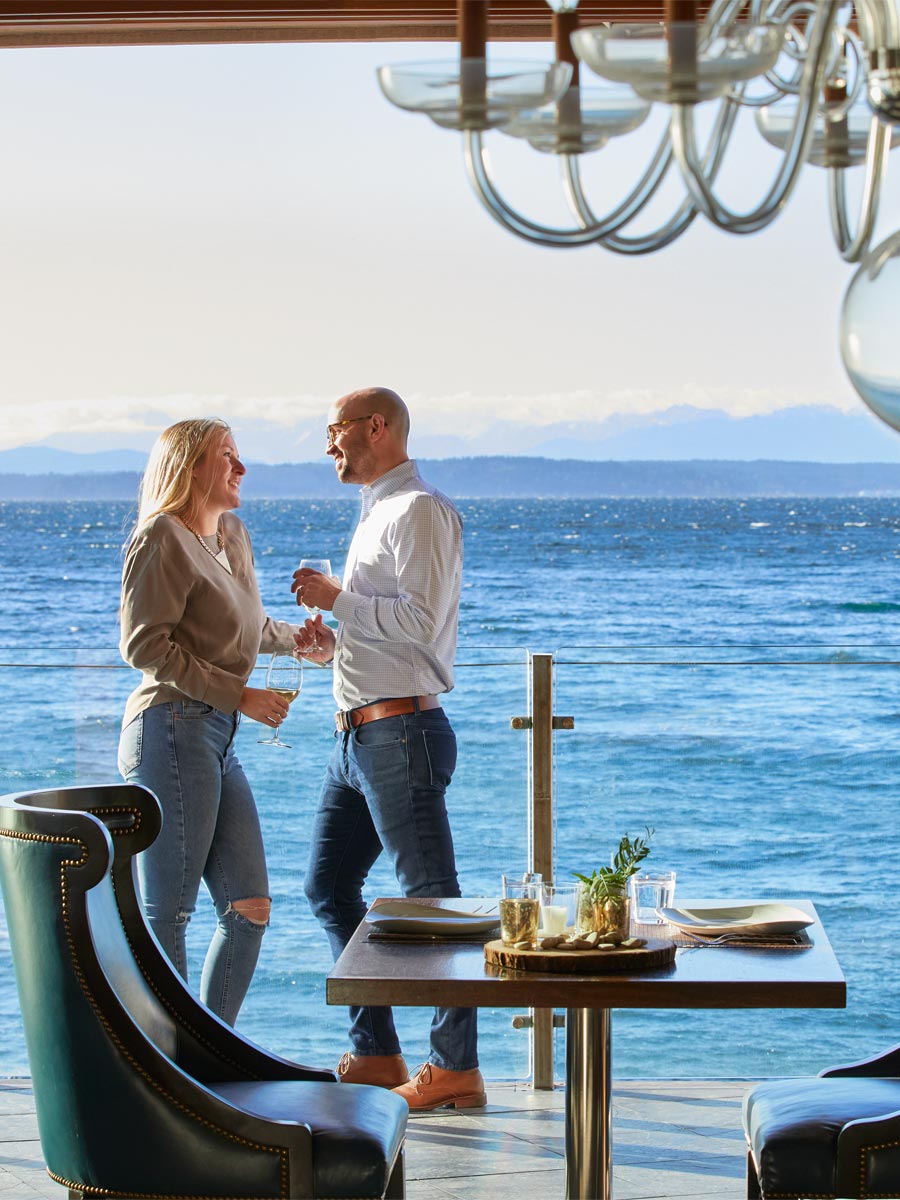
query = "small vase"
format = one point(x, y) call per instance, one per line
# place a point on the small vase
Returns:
point(609, 917)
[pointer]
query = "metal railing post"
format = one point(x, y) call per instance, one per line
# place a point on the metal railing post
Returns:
point(540, 840)
point(541, 723)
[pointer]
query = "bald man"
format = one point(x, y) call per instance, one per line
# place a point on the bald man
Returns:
point(395, 750)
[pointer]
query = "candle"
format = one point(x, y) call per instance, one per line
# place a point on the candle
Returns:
point(553, 918)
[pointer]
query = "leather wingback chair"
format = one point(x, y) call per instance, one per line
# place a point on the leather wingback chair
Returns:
point(139, 1089)
point(834, 1135)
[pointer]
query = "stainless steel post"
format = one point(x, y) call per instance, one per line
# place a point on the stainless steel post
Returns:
point(540, 722)
point(588, 1104)
point(540, 841)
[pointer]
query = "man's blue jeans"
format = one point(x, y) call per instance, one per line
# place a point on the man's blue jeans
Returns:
point(384, 790)
point(184, 753)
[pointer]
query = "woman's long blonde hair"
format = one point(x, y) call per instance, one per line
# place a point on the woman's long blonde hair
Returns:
point(168, 479)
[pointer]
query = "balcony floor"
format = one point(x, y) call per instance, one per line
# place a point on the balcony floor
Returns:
point(672, 1139)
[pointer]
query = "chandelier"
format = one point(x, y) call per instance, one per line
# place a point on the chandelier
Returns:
point(822, 78)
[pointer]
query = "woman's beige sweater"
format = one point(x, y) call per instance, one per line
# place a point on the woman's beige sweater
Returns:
point(189, 626)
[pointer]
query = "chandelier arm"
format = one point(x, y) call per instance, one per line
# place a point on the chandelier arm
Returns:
point(644, 191)
point(640, 195)
point(720, 16)
point(687, 211)
point(876, 20)
point(684, 145)
point(852, 248)
point(483, 186)
point(646, 243)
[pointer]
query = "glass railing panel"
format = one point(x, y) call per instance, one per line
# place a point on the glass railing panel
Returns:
point(765, 772)
point(62, 715)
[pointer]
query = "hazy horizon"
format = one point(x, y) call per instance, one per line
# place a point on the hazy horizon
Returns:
point(253, 230)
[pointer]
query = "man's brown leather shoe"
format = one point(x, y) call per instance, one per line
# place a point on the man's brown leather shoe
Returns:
point(380, 1070)
point(433, 1087)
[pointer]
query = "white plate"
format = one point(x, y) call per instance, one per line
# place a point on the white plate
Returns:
point(738, 918)
point(406, 916)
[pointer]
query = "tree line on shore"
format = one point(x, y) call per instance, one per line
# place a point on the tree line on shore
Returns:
point(516, 478)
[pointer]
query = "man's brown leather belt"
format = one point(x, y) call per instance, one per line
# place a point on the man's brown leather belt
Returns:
point(349, 718)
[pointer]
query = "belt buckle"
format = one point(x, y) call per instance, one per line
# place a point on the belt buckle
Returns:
point(342, 721)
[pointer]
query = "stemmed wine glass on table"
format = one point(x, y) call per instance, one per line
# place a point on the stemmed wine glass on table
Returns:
point(323, 566)
point(284, 677)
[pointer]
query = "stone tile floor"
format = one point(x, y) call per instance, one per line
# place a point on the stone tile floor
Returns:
point(673, 1140)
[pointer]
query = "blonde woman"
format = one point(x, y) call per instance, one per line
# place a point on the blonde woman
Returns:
point(193, 624)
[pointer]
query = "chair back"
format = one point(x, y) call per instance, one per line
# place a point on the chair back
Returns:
point(102, 1047)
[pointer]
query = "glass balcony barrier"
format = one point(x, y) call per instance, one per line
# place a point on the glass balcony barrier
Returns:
point(765, 771)
point(62, 711)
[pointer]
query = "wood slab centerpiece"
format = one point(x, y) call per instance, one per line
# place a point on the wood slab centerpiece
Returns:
point(600, 941)
point(582, 956)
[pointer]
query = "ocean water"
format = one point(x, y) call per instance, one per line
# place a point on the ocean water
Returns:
point(732, 667)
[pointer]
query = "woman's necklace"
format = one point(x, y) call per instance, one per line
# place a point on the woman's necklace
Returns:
point(220, 540)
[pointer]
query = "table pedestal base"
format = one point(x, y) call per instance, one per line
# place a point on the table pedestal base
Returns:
point(588, 1104)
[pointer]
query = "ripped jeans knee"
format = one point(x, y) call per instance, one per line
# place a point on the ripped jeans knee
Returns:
point(233, 953)
point(254, 911)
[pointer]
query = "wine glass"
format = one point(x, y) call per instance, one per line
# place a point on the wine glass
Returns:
point(284, 677)
point(323, 565)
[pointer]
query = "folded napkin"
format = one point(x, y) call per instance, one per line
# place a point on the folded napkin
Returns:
point(387, 935)
point(768, 941)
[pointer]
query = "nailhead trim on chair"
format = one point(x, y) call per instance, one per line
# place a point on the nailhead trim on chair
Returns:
point(203, 1041)
point(863, 1172)
point(118, 808)
point(93, 1191)
point(864, 1195)
point(280, 1151)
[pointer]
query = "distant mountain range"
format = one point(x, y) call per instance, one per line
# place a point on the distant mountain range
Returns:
point(492, 477)
point(681, 451)
point(684, 432)
point(681, 432)
point(47, 460)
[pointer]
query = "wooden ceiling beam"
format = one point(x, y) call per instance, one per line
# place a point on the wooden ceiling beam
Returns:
point(142, 22)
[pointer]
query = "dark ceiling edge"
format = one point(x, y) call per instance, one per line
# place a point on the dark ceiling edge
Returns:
point(45, 23)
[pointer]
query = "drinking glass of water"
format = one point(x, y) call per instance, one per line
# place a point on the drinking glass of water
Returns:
point(284, 677)
point(322, 565)
point(651, 890)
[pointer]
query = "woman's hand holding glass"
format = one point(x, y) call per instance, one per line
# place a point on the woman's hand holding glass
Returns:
point(284, 679)
point(315, 640)
point(259, 704)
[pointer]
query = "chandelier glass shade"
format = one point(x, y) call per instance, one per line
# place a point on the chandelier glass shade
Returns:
point(868, 330)
point(821, 77)
point(840, 139)
point(672, 65)
point(473, 93)
point(583, 119)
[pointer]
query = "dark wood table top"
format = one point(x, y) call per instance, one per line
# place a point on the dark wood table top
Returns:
point(455, 974)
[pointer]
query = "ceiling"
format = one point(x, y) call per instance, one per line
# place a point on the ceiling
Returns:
point(142, 22)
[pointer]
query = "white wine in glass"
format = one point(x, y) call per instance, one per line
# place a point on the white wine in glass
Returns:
point(284, 677)
point(323, 566)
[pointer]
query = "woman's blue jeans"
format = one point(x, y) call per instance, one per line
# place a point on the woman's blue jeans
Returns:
point(384, 790)
point(184, 753)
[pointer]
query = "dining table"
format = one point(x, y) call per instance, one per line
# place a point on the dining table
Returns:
point(452, 972)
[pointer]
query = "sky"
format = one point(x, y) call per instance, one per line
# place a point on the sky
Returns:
point(253, 231)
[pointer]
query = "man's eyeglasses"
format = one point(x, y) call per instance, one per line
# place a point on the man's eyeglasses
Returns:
point(338, 427)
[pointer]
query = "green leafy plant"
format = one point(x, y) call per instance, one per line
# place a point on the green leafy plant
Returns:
point(610, 883)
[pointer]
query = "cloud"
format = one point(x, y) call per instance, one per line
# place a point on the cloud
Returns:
point(281, 426)
point(483, 412)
